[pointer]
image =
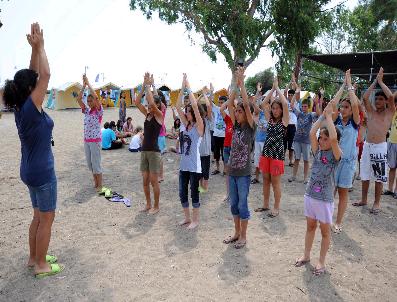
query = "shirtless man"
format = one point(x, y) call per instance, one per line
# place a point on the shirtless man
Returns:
point(373, 162)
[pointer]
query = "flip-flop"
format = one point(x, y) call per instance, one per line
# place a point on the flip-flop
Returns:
point(55, 269)
point(215, 172)
point(229, 240)
point(49, 259)
point(254, 181)
point(299, 263)
point(202, 190)
point(261, 209)
point(273, 215)
point(239, 245)
point(108, 193)
point(387, 192)
point(337, 229)
point(374, 211)
point(102, 191)
point(291, 164)
point(127, 202)
point(358, 204)
point(319, 271)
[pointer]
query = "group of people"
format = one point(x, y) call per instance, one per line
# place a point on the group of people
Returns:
point(237, 129)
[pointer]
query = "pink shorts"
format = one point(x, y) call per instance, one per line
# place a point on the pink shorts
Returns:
point(319, 210)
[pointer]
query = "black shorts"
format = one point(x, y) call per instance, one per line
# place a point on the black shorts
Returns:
point(218, 147)
point(212, 141)
point(289, 138)
point(205, 166)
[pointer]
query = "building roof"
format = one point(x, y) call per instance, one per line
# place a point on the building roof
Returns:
point(67, 85)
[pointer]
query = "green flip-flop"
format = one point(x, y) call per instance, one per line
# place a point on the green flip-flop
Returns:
point(49, 259)
point(55, 269)
point(102, 191)
point(108, 193)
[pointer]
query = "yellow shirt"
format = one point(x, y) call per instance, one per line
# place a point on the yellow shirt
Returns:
point(393, 131)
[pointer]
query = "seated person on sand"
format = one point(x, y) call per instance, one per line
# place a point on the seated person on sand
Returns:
point(136, 140)
point(128, 128)
point(109, 139)
point(119, 135)
point(175, 129)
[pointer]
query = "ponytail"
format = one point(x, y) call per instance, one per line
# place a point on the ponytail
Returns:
point(17, 91)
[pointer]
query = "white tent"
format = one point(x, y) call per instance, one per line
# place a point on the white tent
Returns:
point(64, 97)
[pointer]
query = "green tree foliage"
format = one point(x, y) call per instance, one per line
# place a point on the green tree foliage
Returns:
point(374, 25)
point(264, 77)
point(237, 29)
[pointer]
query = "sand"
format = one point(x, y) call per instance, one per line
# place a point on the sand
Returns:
point(115, 253)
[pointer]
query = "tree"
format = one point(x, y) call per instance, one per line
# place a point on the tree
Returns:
point(237, 29)
point(264, 77)
point(297, 24)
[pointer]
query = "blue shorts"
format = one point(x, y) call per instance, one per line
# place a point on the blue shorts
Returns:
point(44, 197)
point(344, 173)
point(162, 144)
point(301, 149)
point(239, 187)
point(226, 155)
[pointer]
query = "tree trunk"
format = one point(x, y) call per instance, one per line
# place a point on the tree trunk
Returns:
point(298, 65)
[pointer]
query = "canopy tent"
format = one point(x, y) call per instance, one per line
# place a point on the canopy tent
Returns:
point(108, 93)
point(64, 97)
point(129, 95)
point(364, 65)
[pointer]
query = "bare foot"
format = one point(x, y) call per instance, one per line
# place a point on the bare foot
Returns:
point(44, 269)
point(153, 211)
point(31, 262)
point(185, 222)
point(193, 225)
point(146, 209)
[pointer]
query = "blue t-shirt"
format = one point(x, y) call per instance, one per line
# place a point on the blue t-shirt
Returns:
point(348, 138)
point(35, 132)
point(108, 136)
point(304, 124)
point(261, 130)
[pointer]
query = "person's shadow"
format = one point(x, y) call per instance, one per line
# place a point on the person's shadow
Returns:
point(141, 224)
point(320, 288)
point(184, 240)
point(235, 266)
point(346, 246)
point(273, 226)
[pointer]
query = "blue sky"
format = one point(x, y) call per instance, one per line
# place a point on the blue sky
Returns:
point(109, 38)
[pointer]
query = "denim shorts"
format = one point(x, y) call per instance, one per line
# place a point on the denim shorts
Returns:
point(239, 187)
point(44, 197)
point(301, 149)
point(344, 173)
point(162, 144)
point(226, 154)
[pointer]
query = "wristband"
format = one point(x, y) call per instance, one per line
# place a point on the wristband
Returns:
point(351, 88)
point(322, 118)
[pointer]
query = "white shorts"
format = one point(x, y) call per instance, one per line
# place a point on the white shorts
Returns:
point(258, 152)
point(373, 163)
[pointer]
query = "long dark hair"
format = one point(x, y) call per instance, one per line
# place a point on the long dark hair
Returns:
point(278, 102)
point(17, 91)
point(200, 109)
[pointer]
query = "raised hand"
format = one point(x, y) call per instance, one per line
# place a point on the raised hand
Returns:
point(379, 77)
point(348, 78)
point(85, 80)
point(322, 91)
point(328, 110)
point(151, 80)
point(240, 76)
point(275, 83)
point(146, 79)
point(211, 87)
point(187, 85)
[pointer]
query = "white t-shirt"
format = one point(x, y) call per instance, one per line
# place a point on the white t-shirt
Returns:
point(135, 142)
point(219, 123)
point(293, 120)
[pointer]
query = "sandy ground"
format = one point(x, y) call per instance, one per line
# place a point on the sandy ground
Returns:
point(114, 253)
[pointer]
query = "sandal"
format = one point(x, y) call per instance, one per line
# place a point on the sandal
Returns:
point(230, 239)
point(387, 192)
point(375, 211)
point(299, 263)
point(272, 214)
point(254, 181)
point(240, 244)
point(359, 204)
point(337, 229)
point(291, 179)
point(261, 210)
point(215, 172)
point(319, 271)
point(55, 269)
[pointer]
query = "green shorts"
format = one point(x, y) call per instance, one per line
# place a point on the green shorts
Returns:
point(150, 161)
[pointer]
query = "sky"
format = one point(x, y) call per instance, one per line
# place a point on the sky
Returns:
point(112, 40)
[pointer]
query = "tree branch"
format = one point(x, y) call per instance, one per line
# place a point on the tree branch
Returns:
point(252, 9)
point(258, 48)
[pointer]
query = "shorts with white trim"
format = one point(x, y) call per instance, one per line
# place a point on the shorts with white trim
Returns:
point(373, 163)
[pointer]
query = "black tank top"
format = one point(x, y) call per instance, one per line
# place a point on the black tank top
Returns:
point(151, 133)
